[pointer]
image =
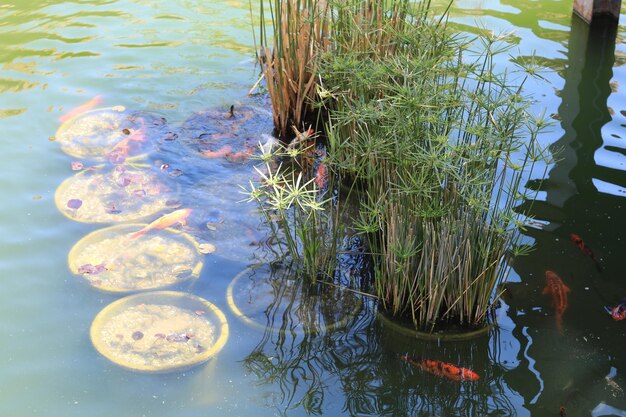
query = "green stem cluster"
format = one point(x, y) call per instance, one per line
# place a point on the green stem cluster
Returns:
point(436, 142)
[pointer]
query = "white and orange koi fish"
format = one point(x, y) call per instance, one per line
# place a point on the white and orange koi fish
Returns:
point(91, 104)
point(178, 216)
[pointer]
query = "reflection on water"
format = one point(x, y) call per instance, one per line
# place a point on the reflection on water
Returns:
point(355, 368)
point(307, 328)
point(574, 370)
point(274, 298)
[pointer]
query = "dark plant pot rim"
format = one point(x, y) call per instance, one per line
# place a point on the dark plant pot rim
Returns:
point(418, 334)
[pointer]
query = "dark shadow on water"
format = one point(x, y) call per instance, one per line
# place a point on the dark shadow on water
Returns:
point(586, 198)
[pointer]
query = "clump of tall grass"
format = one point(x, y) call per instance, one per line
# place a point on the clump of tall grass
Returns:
point(420, 122)
point(288, 57)
point(304, 231)
point(439, 143)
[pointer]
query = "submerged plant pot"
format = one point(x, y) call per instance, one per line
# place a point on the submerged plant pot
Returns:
point(232, 134)
point(159, 331)
point(275, 300)
point(450, 335)
point(113, 195)
point(111, 260)
point(111, 134)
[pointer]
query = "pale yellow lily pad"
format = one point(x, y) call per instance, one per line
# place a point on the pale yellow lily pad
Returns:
point(159, 331)
point(113, 194)
point(110, 260)
point(98, 134)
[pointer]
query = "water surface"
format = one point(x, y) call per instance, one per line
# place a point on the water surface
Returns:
point(178, 58)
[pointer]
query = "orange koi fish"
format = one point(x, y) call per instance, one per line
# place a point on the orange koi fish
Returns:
point(556, 287)
point(119, 152)
point(619, 311)
point(178, 216)
point(442, 369)
point(137, 135)
point(580, 243)
point(94, 102)
point(225, 150)
point(321, 177)
point(240, 156)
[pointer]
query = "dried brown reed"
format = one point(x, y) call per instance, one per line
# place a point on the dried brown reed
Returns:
point(289, 59)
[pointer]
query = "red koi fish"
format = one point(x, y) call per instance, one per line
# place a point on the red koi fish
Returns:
point(580, 243)
point(556, 287)
point(178, 216)
point(442, 369)
point(321, 177)
point(619, 311)
point(94, 102)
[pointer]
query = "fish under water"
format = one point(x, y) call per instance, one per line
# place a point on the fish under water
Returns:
point(558, 290)
point(178, 216)
point(580, 243)
point(225, 150)
point(442, 369)
point(321, 176)
point(619, 311)
point(91, 104)
point(118, 153)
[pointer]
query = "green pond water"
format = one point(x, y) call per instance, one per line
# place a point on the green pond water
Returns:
point(290, 350)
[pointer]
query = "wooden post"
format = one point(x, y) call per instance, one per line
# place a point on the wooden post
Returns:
point(588, 9)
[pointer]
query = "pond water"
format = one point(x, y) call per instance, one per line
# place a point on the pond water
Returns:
point(183, 63)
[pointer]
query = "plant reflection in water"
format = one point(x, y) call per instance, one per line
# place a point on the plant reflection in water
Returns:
point(313, 339)
point(304, 324)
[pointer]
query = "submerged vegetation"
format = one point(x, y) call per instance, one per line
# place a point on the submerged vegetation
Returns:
point(422, 130)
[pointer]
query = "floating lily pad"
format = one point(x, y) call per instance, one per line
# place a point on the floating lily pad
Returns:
point(110, 195)
point(271, 298)
point(112, 134)
point(232, 134)
point(159, 331)
point(110, 261)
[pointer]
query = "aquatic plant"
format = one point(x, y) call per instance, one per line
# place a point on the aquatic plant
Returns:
point(305, 234)
point(438, 142)
point(288, 55)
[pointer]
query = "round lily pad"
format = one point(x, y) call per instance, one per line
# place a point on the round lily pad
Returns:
point(272, 298)
point(109, 134)
point(110, 260)
point(113, 194)
point(232, 134)
point(159, 331)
